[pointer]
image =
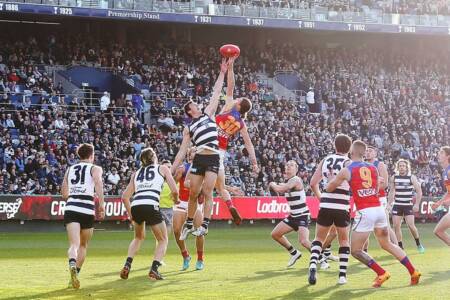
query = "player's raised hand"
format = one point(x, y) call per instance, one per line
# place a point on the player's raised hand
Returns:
point(224, 66)
point(230, 62)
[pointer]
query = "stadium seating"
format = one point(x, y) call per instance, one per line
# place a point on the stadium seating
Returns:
point(355, 97)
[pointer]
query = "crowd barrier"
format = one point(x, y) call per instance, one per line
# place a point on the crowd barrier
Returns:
point(24, 207)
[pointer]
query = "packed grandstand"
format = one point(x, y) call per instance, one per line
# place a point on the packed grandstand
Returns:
point(41, 123)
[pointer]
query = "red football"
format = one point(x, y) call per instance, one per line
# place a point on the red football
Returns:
point(230, 50)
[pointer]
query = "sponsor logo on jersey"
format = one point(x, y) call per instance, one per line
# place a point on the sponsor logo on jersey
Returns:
point(77, 190)
point(367, 192)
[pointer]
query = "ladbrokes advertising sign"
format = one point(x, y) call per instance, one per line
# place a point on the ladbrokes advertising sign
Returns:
point(18, 207)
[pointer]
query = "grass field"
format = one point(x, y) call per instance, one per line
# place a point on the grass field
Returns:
point(241, 263)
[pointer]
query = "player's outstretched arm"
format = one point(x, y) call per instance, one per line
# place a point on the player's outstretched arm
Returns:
point(65, 186)
point(179, 173)
point(343, 175)
point(391, 195)
point(382, 171)
point(418, 190)
point(127, 194)
point(315, 180)
point(284, 187)
point(170, 181)
point(229, 99)
point(211, 109)
point(182, 151)
point(97, 173)
point(250, 148)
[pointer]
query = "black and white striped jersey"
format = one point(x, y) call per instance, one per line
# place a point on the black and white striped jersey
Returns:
point(404, 190)
point(148, 183)
point(340, 198)
point(297, 201)
point(81, 189)
point(204, 134)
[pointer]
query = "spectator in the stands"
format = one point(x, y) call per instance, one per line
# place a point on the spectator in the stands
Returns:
point(166, 123)
point(104, 102)
point(9, 123)
point(113, 177)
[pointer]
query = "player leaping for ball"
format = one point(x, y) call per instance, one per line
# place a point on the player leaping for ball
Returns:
point(370, 216)
point(444, 223)
point(180, 214)
point(230, 121)
point(182, 176)
point(202, 131)
point(298, 219)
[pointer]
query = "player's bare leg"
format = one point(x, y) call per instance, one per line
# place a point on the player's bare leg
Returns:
point(73, 234)
point(344, 252)
point(316, 250)
point(225, 195)
point(382, 235)
point(326, 251)
point(397, 222)
point(133, 248)
point(207, 190)
point(278, 235)
point(357, 250)
point(160, 233)
point(410, 221)
point(179, 217)
point(195, 188)
point(303, 238)
point(441, 227)
point(199, 242)
point(392, 235)
point(85, 237)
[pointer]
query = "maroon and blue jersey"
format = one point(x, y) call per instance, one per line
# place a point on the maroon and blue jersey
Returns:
point(364, 184)
point(446, 179)
point(228, 124)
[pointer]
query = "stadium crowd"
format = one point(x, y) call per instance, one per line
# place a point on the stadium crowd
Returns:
point(409, 7)
point(398, 102)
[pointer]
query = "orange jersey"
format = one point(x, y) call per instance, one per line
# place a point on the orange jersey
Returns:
point(228, 124)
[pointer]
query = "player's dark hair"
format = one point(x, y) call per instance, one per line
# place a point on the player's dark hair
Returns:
point(187, 108)
point(165, 161)
point(446, 149)
point(246, 107)
point(85, 151)
point(342, 143)
point(148, 157)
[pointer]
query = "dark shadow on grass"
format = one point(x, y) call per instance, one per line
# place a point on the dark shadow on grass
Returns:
point(117, 272)
point(267, 274)
point(138, 286)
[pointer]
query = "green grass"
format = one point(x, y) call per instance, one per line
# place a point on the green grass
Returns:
point(241, 263)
